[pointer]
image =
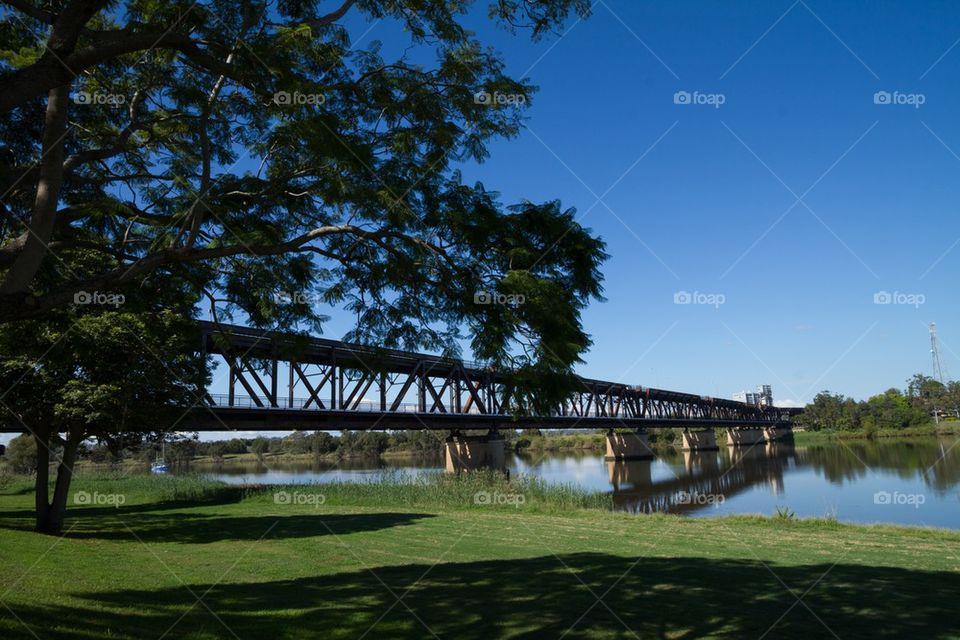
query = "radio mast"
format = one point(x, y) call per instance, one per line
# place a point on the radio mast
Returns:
point(935, 355)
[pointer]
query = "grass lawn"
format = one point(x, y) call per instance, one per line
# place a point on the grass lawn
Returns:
point(182, 558)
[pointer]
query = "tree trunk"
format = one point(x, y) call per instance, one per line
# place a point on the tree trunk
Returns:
point(20, 275)
point(42, 484)
point(56, 512)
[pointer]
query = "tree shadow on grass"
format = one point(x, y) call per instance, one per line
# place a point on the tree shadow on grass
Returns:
point(531, 598)
point(200, 528)
point(23, 518)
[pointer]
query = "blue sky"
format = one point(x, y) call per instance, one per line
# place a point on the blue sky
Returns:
point(797, 200)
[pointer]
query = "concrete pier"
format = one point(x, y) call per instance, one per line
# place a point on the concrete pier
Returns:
point(628, 446)
point(700, 463)
point(779, 432)
point(635, 474)
point(469, 453)
point(746, 437)
point(705, 440)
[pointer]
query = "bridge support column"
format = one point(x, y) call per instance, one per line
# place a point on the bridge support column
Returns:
point(628, 446)
point(469, 453)
point(635, 474)
point(778, 432)
point(705, 440)
point(746, 436)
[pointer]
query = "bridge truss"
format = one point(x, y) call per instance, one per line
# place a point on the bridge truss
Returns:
point(285, 381)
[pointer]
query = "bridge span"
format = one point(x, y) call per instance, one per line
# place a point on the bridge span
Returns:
point(280, 381)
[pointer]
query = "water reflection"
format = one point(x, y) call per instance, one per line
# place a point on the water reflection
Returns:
point(706, 478)
point(836, 479)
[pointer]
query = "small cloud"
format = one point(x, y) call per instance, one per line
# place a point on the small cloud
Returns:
point(787, 404)
point(803, 328)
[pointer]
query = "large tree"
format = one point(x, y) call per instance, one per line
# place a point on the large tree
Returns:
point(249, 148)
point(273, 167)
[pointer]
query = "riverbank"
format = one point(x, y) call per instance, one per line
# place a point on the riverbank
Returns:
point(951, 428)
point(467, 558)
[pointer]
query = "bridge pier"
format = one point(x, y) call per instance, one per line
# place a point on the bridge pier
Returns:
point(636, 474)
point(778, 432)
point(705, 440)
point(701, 463)
point(469, 453)
point(628, 446)
point(746, 436)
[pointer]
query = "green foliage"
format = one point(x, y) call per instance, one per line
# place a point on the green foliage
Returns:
point(21, 454)
point(785, 513)
point(353, 200)
point(891, 409)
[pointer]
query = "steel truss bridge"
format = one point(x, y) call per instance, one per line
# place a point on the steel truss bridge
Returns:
point(283, 381)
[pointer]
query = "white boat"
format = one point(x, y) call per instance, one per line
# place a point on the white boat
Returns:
point(160, 466)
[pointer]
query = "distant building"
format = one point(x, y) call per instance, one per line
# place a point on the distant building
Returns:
point(765, 393)
point(762, 398)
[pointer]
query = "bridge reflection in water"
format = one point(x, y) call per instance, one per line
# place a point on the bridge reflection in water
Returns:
point(704, 479)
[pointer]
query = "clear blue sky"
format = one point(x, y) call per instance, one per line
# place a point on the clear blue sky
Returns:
point(702, 199)
point(795, 202)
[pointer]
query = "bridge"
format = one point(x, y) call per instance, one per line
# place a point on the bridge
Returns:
point(283, 381)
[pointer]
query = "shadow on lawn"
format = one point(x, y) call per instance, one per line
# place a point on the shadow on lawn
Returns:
point(22, 519)
point(533, 598)
point(197, 528)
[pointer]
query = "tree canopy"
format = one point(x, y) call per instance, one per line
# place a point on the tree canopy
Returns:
point(255, 160)
point(252, 150)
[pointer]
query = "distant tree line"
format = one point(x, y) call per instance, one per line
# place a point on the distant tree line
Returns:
point(923, 401)
point(21, 454)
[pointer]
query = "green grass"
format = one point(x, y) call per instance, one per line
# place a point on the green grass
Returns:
point(951, 427)
point(459, 569)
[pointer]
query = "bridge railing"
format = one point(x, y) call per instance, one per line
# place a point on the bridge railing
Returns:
point(222, 400)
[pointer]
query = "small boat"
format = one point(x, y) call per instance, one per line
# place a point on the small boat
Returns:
point(160, 466)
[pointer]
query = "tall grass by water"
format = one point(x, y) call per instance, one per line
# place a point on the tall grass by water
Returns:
point(478, 489)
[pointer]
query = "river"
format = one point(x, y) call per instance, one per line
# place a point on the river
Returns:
point(911, 482)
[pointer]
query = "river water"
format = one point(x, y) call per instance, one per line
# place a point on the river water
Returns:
point(911, 482)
